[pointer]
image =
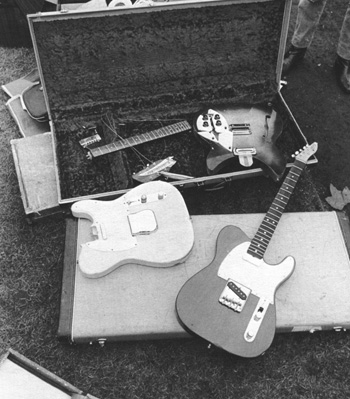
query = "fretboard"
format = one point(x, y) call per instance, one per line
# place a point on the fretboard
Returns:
point(140, 139)
point(265, 232)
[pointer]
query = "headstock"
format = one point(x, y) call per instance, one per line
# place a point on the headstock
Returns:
point(307, 151)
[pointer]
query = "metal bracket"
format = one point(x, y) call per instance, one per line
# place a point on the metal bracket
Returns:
point(234, 296)
point(256, 320)
point(245, 155)
point(143, 199)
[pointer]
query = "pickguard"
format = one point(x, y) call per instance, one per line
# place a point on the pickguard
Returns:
point(253, 273)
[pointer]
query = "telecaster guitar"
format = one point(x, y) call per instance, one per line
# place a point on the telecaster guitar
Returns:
point(231, 302)
point(149, 225)
point(245, 132)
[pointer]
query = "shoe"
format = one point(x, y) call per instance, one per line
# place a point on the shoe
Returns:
point(342, 73)
point(292, 58)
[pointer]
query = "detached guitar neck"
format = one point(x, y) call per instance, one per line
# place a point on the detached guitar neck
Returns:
point(140, 139)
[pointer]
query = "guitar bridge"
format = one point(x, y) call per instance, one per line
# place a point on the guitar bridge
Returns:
point(234, 296)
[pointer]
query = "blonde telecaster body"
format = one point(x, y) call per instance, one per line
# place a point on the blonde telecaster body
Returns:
point(149, 225)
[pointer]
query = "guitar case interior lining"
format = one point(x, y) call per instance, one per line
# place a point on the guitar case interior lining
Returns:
point(146, 70)
point(138, 302)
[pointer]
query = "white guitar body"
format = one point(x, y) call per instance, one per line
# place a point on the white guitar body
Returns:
point(149, 225)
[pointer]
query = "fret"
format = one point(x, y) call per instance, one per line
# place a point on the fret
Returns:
point(136, 139)
point(159, 133)
point(105, 149)
point(112, 147)
point(256, 250)
point(142, 138)
point(260, 243)
point(268, 222)
point(273, 218)
point(169, 129)
point(287, 194)
point(269, 226)
point(261, 239)
point(265, 231)
point(286, 184)
point(271, 221)
point(282, 196)
point(263, 235)
point(297, 167)
point(274, 214)
point(101, 151)
point(277, 208)
point(279, 200)
point(293, 180)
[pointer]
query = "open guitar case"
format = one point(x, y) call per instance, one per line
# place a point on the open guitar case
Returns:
point(131, 70)
point(126, 71)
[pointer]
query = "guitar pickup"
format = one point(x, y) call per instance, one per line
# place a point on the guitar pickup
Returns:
point(234, 296)
point(212, 121)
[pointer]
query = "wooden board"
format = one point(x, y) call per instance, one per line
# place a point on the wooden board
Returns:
point(33, 158)
point(137, 302)
point(21, 378)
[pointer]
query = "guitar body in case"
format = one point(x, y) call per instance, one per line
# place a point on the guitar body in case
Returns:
point(242, 131)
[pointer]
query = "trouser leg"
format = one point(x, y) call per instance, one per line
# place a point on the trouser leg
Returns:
point(343, 49)
point(309, 14)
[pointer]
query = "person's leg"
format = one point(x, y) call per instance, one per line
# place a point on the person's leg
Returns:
point(343, 49)
point(308, 17)
point(309, 14)
point(342, 62)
